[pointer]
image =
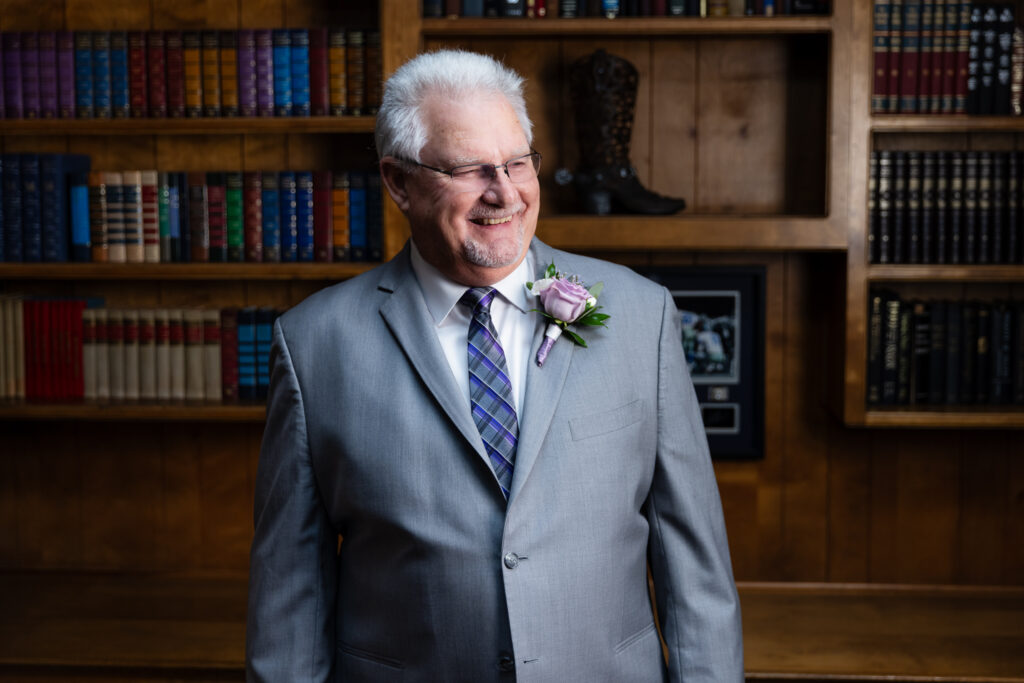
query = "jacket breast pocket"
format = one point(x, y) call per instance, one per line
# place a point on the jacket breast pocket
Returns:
point(600, 424)
point(355, 664)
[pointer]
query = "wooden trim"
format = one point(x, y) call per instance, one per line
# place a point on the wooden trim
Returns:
point(956, 123)
point(182, 271)
point(989, 417)
point(628, 26)
point(181, 412)
point(945, 273)
point(211, 126)
point(725, 233)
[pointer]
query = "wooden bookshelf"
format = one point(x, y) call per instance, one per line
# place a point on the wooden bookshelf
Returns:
point(133, 412)
point(945, 123)
point(189, 126)
point(944, 273)
point(181, 271)
point(629, 26)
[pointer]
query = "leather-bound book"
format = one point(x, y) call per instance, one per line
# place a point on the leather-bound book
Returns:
point(48, 78)
point(84, 101)
point(880, 49)
point(198, 218)
point(355, 69)
point(99, 226)
point(246, 48)
point(228, 56)
point(102, 87)
point(65, 75)
point(289, 224)
point(229, 354)
point(130, 324)
point(156, 74)
point(131, 198)
point(305, 220)
point(264, 72)
point(192, 61)
point(212, 372)
point(282, 42)
point(147, 355)
point(271, 218)
point(252, 215)
point(319, 91)
point(117, 237)
point(195, 372)
point(985, 212)
point(910, 58)
point(339, 210)
point(299, 60)
point(174, 46)
point(163, 355)
point(210, 55)
point(120, 86)
point(969, 243)
point(176, 353)
point(30, 75)
point(233, 213)
point(216, 216)
point(337, 71)
point(138, 75)
point(150, 216)
point(323, 216)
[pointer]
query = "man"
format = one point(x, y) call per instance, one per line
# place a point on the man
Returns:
point(498, 516)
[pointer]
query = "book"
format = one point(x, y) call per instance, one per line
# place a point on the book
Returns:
point(357, 215)
point(983, 354)
point(229, 354)
point(147, 355)
point(264, 338)
point(12, 195)
point(102, 87)
point(940, 242)
point(271, 205)
point(265, 96)
point(192, 64)
point(115, 354)
point(875, 343)
point(956, 202)
point(880, 51)
point(954, 346)
point(1012, 249)
point(340, 216)
point(174, 54)
point(319, 82)
point(962, 81)
point(1017, 353)
point(79, 209)
point(355, 73)
point(873, 239)
point(1001, 340)
point(337, 72)
point(138, 75)
point(925, 51)
point(247, 353)
point(130, 323)
point(216, 216)
point(120, 88)
point(102, 355)
point(891, 306)
point(905, 354)
point(920, 372)
point(282, 72)
point(937, 354)
point(177, 353)
point(233, 211)
point(997, 241)
point(969, 240)
point(88, 354)
point(969, 352)
point(156, 75)
point(913, 208)
point(928, 199)
point(252, 215)
point(195, 374)
point(131, 203)
point(300, 72)
point(65, 75)
point(209, 52)
point(31, 209)
point(58, 206)
point(198, 218)
point(228, 66)
point(898, 240)
point(246, 48)
point(305, 227)
point(83, 76)
point(150, 205)
point(1004, 27)
point(937, 59)
point(184, 217)
point(895, 55)
point(289, 221)
point(49, 106)
point(983, 216)
point(987, 66)
point(99, 228)
point(323, 216)
point(14, 103)
point(213, 379)
point(162, 355)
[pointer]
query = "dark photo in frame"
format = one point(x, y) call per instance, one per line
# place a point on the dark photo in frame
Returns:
point(721, 313)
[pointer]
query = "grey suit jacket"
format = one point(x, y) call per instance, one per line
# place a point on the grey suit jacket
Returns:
point(438, 579)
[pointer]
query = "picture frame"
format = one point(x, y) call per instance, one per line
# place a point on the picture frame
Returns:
point(721, 316)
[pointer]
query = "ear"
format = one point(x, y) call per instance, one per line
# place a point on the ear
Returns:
point(394, 179)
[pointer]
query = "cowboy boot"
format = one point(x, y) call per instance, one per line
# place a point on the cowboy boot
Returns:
point(603, 88)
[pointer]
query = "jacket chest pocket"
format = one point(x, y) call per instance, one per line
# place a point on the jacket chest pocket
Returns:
point(606, 422)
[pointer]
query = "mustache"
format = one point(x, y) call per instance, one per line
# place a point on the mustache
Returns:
point(505, 212)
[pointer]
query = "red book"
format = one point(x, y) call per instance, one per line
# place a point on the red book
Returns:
point(911, 59)
point(77, 341)
point(319, 95)
point(216, 213)
point(659, 8)
point(28, 308)
point(198, 218)
point(880, 41)
point(229, 354)
point(323, 228)
point(938, 53)
point(61, 389)
point(138, 72)
point(892, 90)
point(924, 73)
point(949, 51)
point(156, 64)
point(174, 54)
point(453, 8)
point(252, 216)
point(536, 9)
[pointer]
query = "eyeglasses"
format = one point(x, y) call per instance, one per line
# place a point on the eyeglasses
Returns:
point(479, 176)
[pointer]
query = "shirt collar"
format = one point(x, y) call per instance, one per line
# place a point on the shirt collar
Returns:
point(442, 294)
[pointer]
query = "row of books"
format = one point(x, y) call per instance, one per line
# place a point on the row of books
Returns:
point(73, 349)
point(946, 57)
point(539, 9)
point(946, 207)
point(55, 209)
point(944, 352)
point(177, 74)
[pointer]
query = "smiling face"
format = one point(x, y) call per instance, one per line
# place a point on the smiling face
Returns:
point(478, 237)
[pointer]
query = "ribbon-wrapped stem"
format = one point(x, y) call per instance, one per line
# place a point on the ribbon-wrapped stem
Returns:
point(550, 335)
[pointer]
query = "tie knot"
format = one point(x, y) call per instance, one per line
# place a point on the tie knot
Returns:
point(478, 299)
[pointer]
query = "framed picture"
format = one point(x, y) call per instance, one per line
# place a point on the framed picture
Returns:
point(721, 314)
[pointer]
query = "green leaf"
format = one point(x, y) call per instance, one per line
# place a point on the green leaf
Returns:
point(596, 290)
point(575, 337)
point(551, 271)
point(593, 321)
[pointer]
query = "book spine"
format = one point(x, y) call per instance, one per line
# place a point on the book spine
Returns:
point(989, 48)
point(184, 218)
point(890, 349)
point(233, 212)
point(101, 357)
point(1001, 380)
point(983, 355)
point(985, 215)
point(925, 50)
point(195, 376)
point(115, 354)
point(969, 243)
point(873, 238)
point(130, 322)
point(963, 52)
point(66, 74)
point(357, 215)
point(323, 215)
point(229, 354)
point(337, 72)
point(177, 353)
point(300, 76)
point(271, 218)
point(78, 198)
point(453, 7)
point(1013, 208)
point(899, 207)
point(949, 55)
point(1017, 72)
point(120, 86)
point(937, 354)
point(247, 354)
point(876, 313)
point(209, 54)
point(198, 218)
point(373, 87)
point(163, 355)
point(914, 207)
point(247, 90)
point(569, 9)
point(895, 54)
point(975, 44)
point(212, 372)
point(174, 218)
point(938, 55)
point(228, 55)
point(911, 55)
point(319, 90)
point(997, 242)
point(433, 9)
point(49, 105)
point(174, 55)
point(355, 78)
point(216, 214)
point(289, 223)
point(163, 202)
point(880, 82)
point(1003, 60)
point(84, 100)
point(89, 354)
point(928, 201)
point(192, 61)
point(340, 214)
point(1018, 353)
point(102, 87)
point(31, 209)
point(282, 72)
point(30, 75)
point(147, 355)
point(264, 338)
point(954, 341)
point(920, 371)
point(135, 245)
point(138, 75)
point(956, 203)
point(150, 202)
point(252, 195)
point(12, 236)
point(305, 220)
point(265, 95)
point(99, 227)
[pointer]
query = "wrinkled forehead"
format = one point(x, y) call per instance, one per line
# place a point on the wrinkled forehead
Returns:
point(464, 127)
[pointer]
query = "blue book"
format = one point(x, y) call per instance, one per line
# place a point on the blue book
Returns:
point(473, 8)
point(31, 209)
point(357, 215)
point(282, 58)
point(12, 208)
point(2, 250)
point(304, 214)
point(184, 236)
point(264, 338)
point(83, 75)
point(54, 170)
point(271, 218)
point(101, 86)
point(247, 353)
point(289, 225)
point(300, 71)
point(374, 227)
point(78, 200)
point(119, 96)
point(173, 219)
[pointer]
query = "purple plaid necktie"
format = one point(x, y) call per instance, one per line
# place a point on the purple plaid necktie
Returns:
point(490, 391)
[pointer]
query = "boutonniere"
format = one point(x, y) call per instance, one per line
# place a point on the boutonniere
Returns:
point(566, 301)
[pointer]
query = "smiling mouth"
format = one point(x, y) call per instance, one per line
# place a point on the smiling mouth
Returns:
point(491, 221)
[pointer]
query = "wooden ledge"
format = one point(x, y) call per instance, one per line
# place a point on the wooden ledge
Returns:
point(61, 626)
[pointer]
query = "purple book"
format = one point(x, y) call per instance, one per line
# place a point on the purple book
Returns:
point(48, 74)
point(66, 74)
point(3, 112)
point(247, 73)
point(265, 72)
point(13, 104)
point(30, 74)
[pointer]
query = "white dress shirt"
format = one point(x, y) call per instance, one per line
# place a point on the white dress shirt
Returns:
point(509, 313)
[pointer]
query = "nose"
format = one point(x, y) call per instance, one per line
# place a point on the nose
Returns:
point(500, 189)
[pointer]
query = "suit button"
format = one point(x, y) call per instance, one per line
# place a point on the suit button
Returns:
point(506, 664)
point(511, 560)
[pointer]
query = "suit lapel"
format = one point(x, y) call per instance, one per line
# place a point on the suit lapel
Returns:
point(405, 313)
point(543, 386)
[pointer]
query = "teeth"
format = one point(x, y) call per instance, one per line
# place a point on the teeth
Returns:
point(495, 221)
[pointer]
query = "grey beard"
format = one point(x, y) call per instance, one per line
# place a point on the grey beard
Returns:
point(496, 256)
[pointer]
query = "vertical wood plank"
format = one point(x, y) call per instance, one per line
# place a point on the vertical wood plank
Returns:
point(673, 93)
point(180, 519)
point(224, 498)
point(985, 506)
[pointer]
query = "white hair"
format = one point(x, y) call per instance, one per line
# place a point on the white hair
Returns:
point(454, 74)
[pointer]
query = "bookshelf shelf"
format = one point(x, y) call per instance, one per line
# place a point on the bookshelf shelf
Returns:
point(181, 271)
point(646, 26)
point(945, 273)
point(718, 232)
point(199, 126)
point(988, 417)
point(938, 123)
point(183, 412)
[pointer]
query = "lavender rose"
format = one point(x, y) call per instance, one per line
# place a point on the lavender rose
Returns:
point(564, 300)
